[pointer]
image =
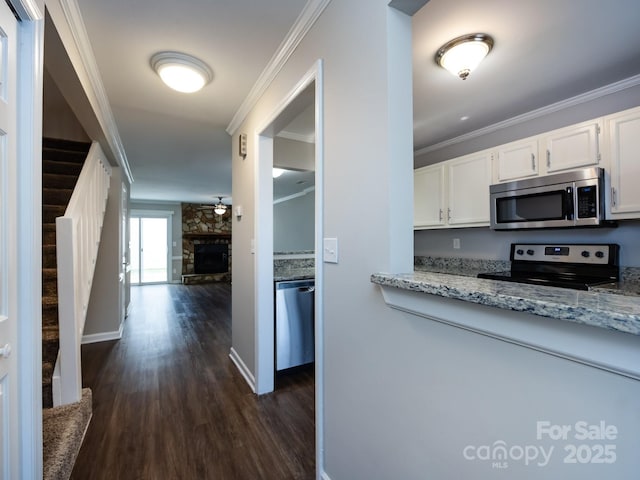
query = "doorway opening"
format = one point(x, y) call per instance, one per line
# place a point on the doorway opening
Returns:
point(308, 92)
point(149, 247)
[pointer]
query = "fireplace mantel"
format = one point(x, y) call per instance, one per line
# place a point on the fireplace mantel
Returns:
point(211, 235)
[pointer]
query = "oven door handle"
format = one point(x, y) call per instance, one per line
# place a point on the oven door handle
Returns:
point(568, 204)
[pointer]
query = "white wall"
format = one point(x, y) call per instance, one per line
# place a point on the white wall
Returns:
point(403, 395)
point(58, 120)
point(294, 224)
point(368, 160)
point(104, 314)
point(293, 154)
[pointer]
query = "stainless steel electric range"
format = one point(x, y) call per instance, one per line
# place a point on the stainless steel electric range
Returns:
point(577, 266)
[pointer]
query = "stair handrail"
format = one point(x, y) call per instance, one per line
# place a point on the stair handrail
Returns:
point(77, 242)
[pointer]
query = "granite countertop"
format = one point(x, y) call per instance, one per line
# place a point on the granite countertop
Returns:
point(598, 307)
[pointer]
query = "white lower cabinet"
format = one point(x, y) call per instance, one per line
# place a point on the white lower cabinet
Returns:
point(623, 133)
point(454, 193)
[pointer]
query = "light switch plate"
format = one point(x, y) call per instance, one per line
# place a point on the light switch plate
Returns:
point(330, 250)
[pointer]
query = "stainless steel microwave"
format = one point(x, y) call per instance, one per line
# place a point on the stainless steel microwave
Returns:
point(572, 199)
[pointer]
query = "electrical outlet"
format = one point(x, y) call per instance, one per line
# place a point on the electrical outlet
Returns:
point(456, 243)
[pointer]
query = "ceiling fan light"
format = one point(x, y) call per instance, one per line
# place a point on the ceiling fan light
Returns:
point(219, 208)
point(463, 54)
point(181, 72)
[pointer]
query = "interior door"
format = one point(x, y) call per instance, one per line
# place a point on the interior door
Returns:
point(8, 246)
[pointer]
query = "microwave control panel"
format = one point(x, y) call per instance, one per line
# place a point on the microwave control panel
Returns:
point(587, 202)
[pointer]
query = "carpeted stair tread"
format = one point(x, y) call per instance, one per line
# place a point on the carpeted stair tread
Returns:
point(50, 315)
point(66, 145)
point(63, 430)
point(51, 212)
point(62, 166)
point(49, 258)
point(50, 333)
point(58, 180)
point(62, 162)
point(49, 287)
point(48, 233)
point(56, 196)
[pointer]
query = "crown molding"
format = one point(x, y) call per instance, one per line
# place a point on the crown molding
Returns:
point(89, 75)
point(540, 112)
point(295, 195)
point(298, 137)
point(304, 22)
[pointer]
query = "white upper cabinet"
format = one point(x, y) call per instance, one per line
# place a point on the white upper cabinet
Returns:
point(454, 193)
point(468, 189)
point(623, 133)
point(428, 196)
point(572, 147)
point(516, 160)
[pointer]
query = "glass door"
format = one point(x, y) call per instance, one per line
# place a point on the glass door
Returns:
point(149, 250)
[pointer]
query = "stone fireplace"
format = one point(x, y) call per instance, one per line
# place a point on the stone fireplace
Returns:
point(206, 245)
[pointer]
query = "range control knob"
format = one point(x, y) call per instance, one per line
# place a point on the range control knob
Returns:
point(599, 254)
point(530, 252)
point(585, 254)
point(520, 251)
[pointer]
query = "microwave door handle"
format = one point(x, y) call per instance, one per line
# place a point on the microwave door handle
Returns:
point(567, 204)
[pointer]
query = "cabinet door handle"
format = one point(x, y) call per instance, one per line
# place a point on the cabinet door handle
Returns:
point(448, 214)
point(533, 161)
point(440, 217)
point(548, 158)
point(614, 200)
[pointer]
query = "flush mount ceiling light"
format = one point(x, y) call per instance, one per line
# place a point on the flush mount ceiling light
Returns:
point(463, 54)
point(181, 72)
point(220, 208)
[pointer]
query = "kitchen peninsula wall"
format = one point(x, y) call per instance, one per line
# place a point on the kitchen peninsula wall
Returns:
point(483, 243)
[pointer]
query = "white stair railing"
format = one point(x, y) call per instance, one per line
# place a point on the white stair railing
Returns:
point(77, 241)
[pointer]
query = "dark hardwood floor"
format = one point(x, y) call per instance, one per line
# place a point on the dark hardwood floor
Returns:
point(168, 403)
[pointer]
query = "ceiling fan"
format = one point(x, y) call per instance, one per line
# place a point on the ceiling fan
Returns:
point(219, 208)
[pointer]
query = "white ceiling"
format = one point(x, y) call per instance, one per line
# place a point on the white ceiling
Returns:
point(545, 51)
point(177, 146)
point(176, 143)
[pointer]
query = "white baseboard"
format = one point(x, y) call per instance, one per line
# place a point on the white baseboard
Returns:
point(242, 367)
point(103, 337)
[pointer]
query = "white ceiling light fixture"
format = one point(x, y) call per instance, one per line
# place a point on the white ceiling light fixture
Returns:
point(277, 172)
point(463, 54)
point(220, 208)
point(181, 72)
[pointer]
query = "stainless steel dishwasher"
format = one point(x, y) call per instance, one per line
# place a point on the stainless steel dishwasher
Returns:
point(294, 335)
